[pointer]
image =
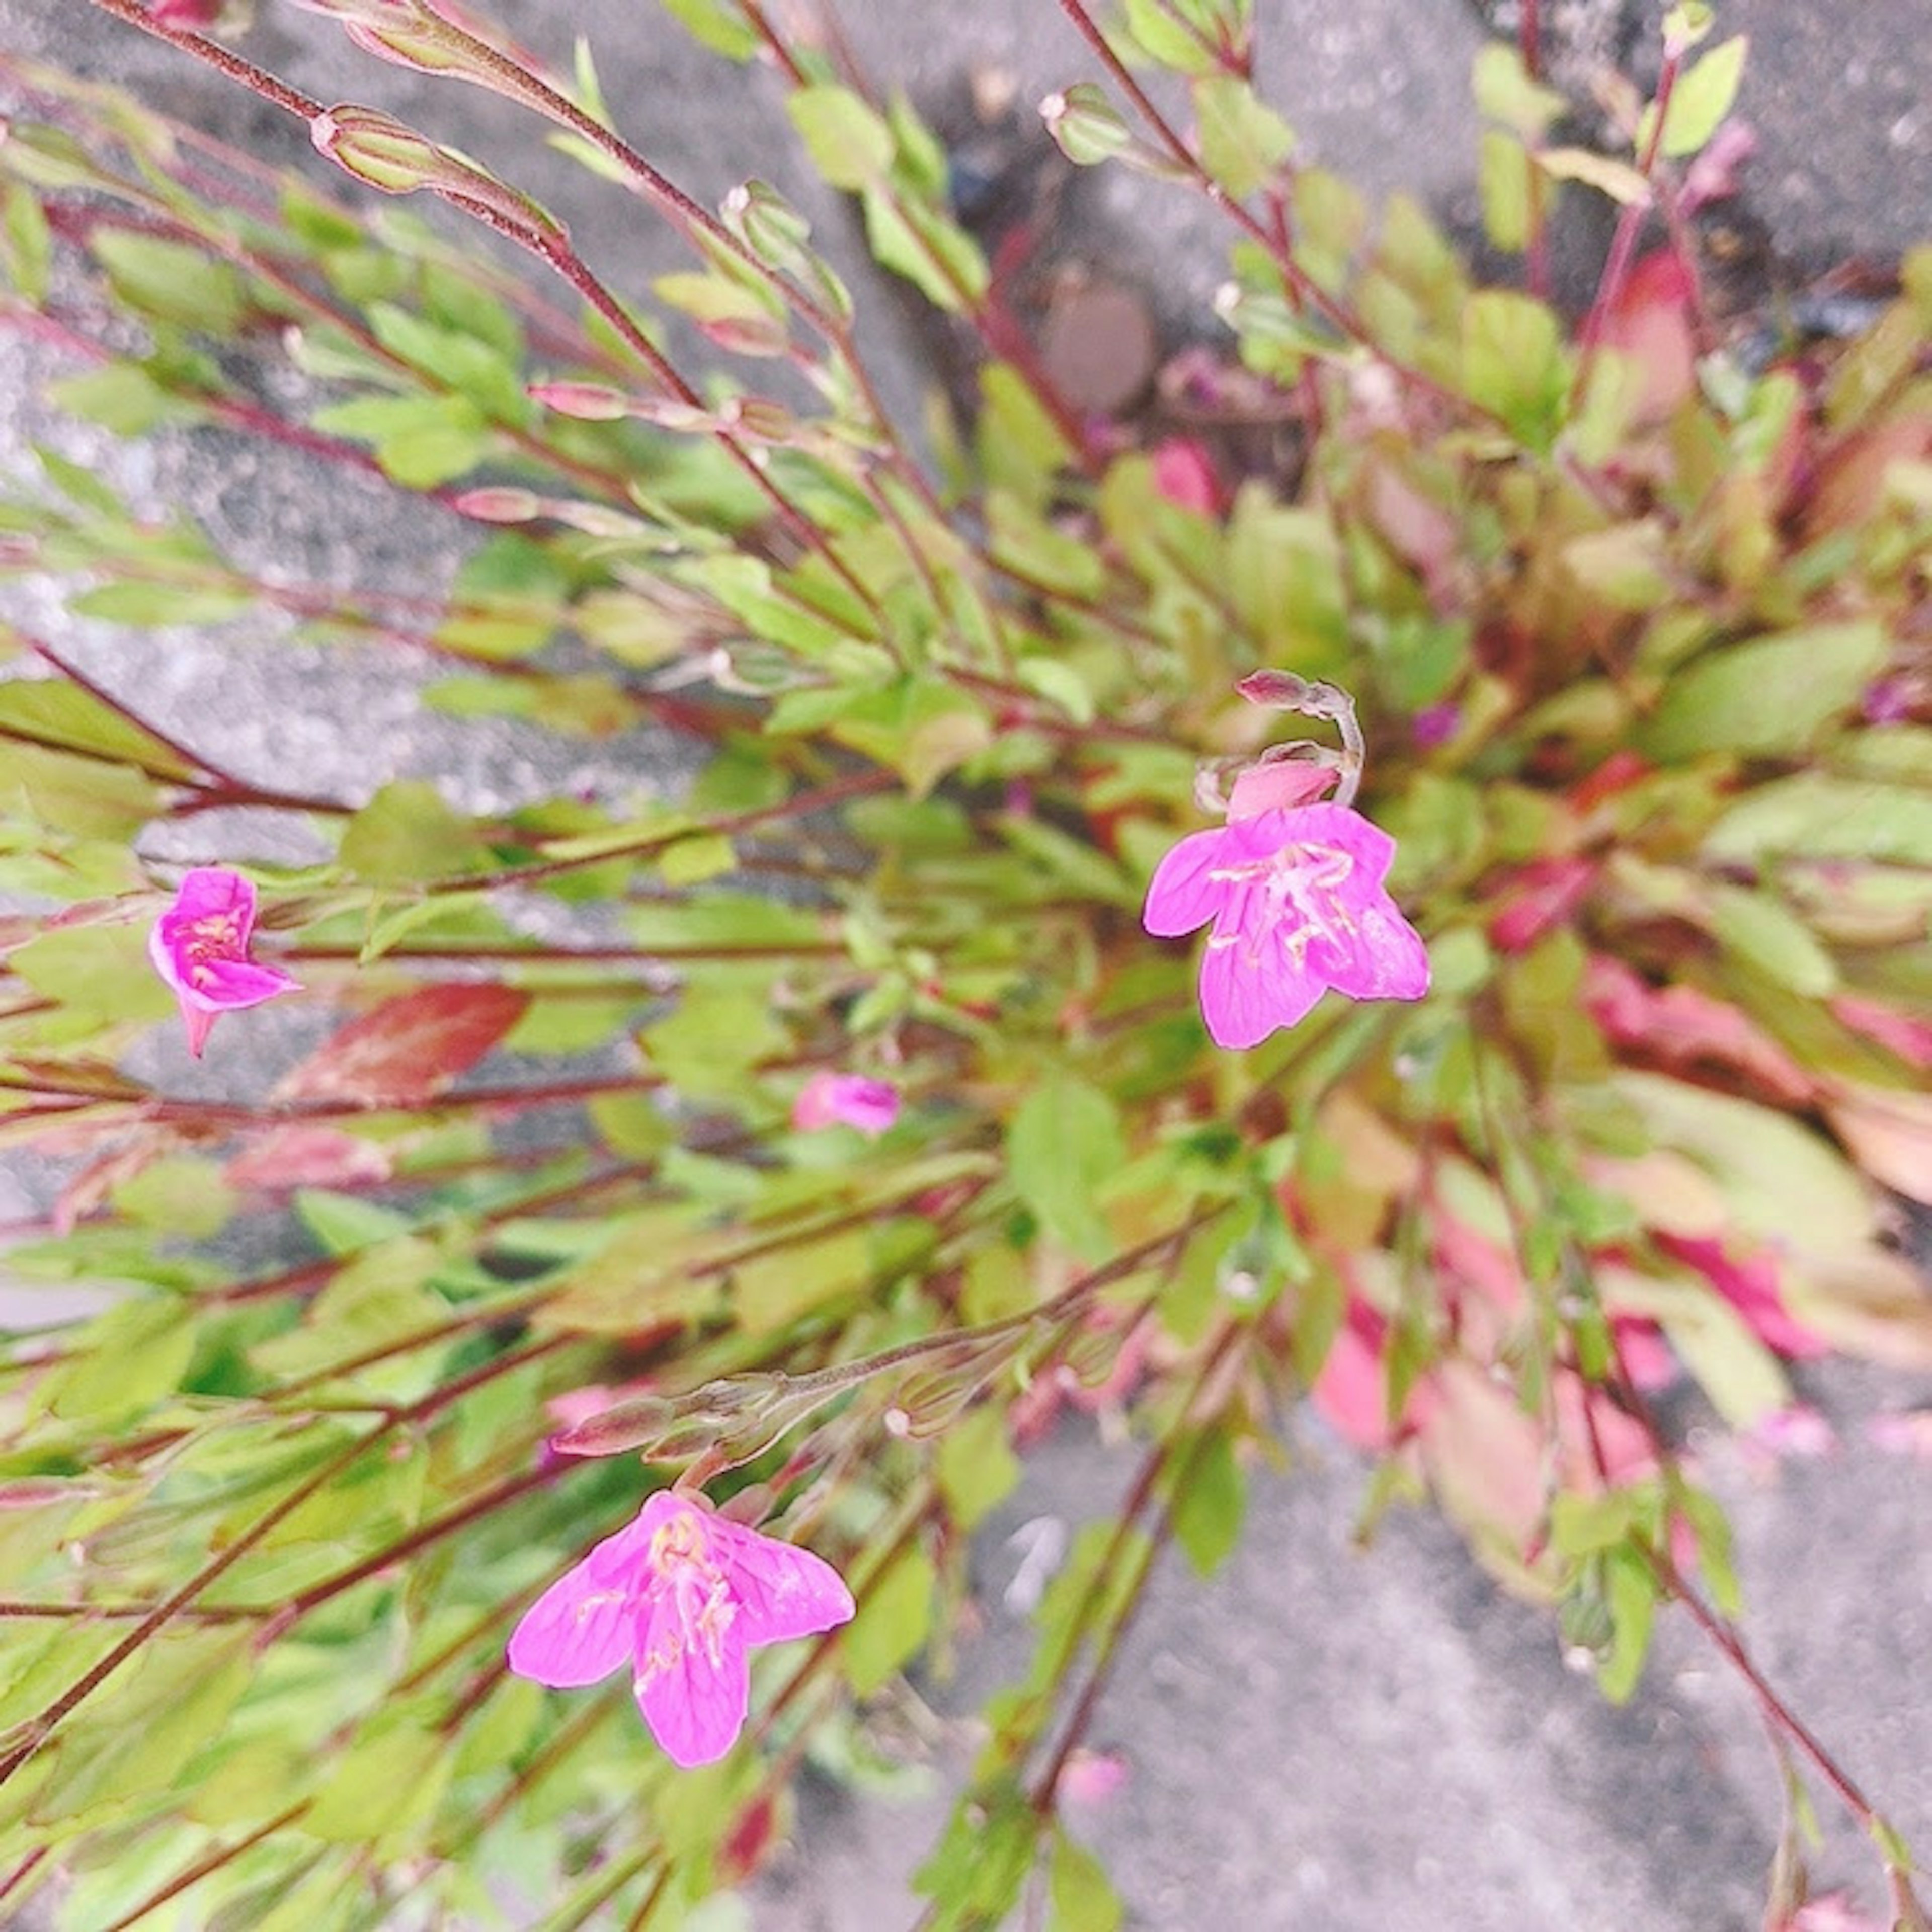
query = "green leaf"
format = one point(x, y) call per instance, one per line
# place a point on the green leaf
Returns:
point(848, 140)
point(691, 862)
point(1768, 933)
point(1078, 1892)
point(977, 1469)
point(171, 280)
point(122, 397)
point(894, 1617)
point(453, 358)
point(1703, 96)
point(932, 252)
point(1506, 95)
point(1504, 179)
point(177, 1695)
point(419, 441)
point(1513, 363)
point(1064, 1142)
point(59, 713)
point(1632, 1593)
point(102, 971)
point(1243, 141)
point(122, 1362)
point(407, 835)
point(185, 1196)
point(772, 1290)
point(388, 1783)
point(149, 605)
point(1208, 1503)
point(1814, 816)
point(26, 243)
point(714, 24)
point(1166, 40)
point(1770, 696)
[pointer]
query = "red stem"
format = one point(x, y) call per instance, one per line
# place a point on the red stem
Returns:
point(1630, 226)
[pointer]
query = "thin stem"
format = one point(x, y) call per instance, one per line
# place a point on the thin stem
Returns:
point(42, 1727)
point(1082, 1713)
point(200, 1869)
point(1630, 226)
point(1530, 41)
point(1299, 282)
point(858, 785)
point(418, 1538)
point(553, 248)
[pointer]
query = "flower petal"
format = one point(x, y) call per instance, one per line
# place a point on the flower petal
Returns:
point(223, 986)
point(1181, 895)
point(1342, 829)
point(1248, 989)
point(213, 892)
point(579, 1631)
point(198, 1021)
point(781, 1590)
point(694, 1705)
point(1384, 958)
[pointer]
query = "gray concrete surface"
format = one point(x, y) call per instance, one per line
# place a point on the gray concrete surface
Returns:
point(1321, 1740)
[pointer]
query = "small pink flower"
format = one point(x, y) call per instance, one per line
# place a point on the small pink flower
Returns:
point(1090, 1777)
point(682, 1596)
point(1298, 904)
point(870, 1105)
point(1798, 1430)
point(199, 946)
point(1436, 725)
point(1184, 473)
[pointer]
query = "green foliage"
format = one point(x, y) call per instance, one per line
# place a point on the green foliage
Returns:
point(547, 1161)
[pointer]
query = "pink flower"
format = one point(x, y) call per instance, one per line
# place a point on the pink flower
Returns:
point(1184, 473)
point(870, 1105)
point(682, 1596)
point(199, 946)
point(1297, 903)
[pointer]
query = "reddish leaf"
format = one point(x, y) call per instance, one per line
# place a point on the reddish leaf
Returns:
point(1889, 1134)
point(1681, 1027)
point(1547, 892)
point(409, 1048)
point(1650, 322)
point(1898, 1032)
point(289, 1157)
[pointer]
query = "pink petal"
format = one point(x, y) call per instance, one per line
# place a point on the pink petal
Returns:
point(213, 892)
point(231, 984)
point(165, 959)
point(1181, 895)
point(870, 1105)
point(1383, 959)
point(694, 1705)
point(1248, 989)
point(1278, 784)
point(579, 1631)
point(197, 1021)
point(780, 1591)
point(1346, 829)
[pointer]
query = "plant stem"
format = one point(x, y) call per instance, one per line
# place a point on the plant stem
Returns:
point(42, 1727)
point(200, 1869)
point(1630, 226)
